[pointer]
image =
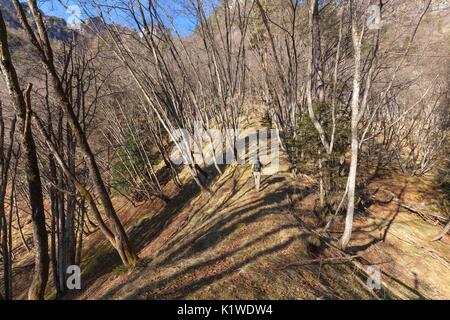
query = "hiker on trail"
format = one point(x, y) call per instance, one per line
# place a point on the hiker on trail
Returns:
point(257, 166)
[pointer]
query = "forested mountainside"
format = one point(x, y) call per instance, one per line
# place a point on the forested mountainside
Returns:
point(260, 149)
point(57, 28)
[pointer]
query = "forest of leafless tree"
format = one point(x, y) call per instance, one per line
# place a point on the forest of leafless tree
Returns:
point(90, 115)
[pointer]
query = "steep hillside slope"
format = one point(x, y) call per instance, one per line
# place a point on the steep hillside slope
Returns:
point(241, 244)
point(238, 244)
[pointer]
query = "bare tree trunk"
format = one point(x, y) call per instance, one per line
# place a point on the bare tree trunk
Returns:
point(81, 189)
point(20, 100)
point(318, 70)
point(312, 65)
point(81, 216)
point(9, 284)
point(19, 226)
point(121, 241)
point(69, 226)
point(43, 46)
point(442, 233)
point(356, 37)
point(5, 224)
point(60, 211)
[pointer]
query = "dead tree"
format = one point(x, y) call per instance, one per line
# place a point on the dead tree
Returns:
point(42, 44)
point(359, 105)
point(173, 90)
point(22, 103)
point(6, 151)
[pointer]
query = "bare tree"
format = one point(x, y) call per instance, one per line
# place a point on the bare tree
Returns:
point(22, 103)
point(6, 152)
point(42, 44)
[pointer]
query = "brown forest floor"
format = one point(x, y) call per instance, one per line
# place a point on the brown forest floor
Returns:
point(239, 244)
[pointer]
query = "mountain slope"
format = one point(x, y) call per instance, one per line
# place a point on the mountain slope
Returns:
point(239, 244)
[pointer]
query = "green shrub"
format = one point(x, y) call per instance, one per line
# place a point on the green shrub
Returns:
point(130, 167)
point(119, 270)
point(266, 121)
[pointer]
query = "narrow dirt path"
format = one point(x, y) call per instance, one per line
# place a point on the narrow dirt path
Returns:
point(239, 244)
point(234, 245)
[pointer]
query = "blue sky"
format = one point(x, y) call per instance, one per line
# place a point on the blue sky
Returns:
point(183, 23)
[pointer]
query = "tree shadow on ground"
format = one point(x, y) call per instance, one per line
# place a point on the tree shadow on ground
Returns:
point(103, 259)
point(405, 286)
point(202, 239)
point(213, 234)
point(394, 215)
